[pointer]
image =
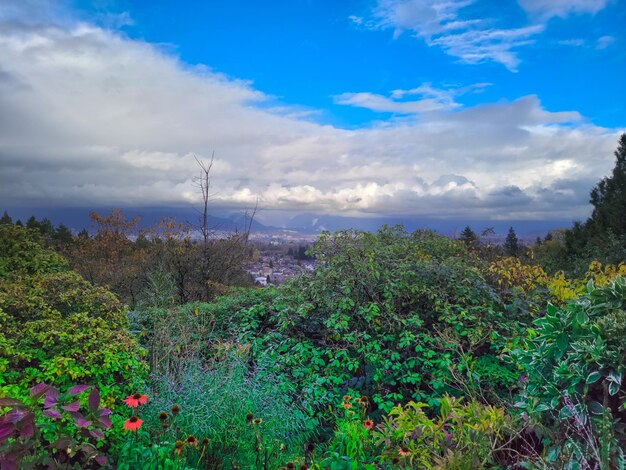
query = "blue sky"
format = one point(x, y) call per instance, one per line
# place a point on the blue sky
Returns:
point(305, 52)
point(451, 109)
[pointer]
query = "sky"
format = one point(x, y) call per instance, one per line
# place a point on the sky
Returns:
point(451, 109)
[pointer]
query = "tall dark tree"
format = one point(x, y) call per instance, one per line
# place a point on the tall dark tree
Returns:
point(511, 244)
point(469, 237)
point(46, 228)
point(6, 219)
point(63, 235)
point(609, 198)
point(32, 223)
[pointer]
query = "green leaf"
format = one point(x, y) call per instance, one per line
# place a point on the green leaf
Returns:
point(593, 377)
point(552, 309)
point(581, 317)
point(565, 413)
point(595, 408)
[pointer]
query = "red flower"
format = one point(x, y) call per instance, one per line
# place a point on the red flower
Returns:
point(368, 424)
point(133, 423)
point(346, 405)
point(133, 401)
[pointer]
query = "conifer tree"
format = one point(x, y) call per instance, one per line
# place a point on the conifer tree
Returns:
point(511, 244)
point(469, 237)
point(609, 198)
point(32, 223)
point(6, 219)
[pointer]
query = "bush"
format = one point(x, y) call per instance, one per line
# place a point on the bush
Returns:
point(460, 436)
point(575, 358)
point(388, 315)
point(57, 328)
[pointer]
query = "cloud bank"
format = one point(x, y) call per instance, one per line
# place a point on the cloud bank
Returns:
point(89, 118)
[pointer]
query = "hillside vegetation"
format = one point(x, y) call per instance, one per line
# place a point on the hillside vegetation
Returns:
point(400, 350)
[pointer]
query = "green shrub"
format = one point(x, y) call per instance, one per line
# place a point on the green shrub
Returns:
point(23, 254)
point(575, 359)
point(460, 436)
point(389, 315)
point(57, 328)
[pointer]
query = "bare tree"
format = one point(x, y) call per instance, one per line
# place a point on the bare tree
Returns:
point(203, 182)
point(221, 259)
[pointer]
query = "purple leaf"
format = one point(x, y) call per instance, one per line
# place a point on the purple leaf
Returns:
point(105, 412)
point(81, 422)
point(28, 430)
point(51, 398)
point(12, 402)
point(89, 450)
point(105, 421)
point(97, 433)
point(94, 400)
point(62, 443)
point(52, 413)
point(76, 389)
point(39, 389)
point(74, 406)
point(7, 464)
point(15, 416)
point(6, 430)
point(101, 460)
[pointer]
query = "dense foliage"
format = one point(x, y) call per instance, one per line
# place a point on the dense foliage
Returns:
point(575, 363)
point(57, 328)
point(388, 315)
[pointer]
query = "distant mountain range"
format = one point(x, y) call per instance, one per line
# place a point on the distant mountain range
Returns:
point(306, 223)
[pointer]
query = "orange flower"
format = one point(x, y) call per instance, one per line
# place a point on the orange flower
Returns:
point(192, 441)
point(368, 424)
point(133, 401)
point(403, 451)
point(346, 405)
point(178, 447)
point(133, 423)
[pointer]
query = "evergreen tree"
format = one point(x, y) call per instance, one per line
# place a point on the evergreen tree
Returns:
point(46, 228)
point(609, 198)
point(6, 219)
point(63, 235)
point(32, 223)
point(511, 244)
point(469, 237)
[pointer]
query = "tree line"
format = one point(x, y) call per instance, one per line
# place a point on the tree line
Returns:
point(163, 264)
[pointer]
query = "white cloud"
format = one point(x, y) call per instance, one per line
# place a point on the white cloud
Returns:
point(604, 42)
point(91, 118)
point(562, 8)
point(431, 99)
point(442, 23)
